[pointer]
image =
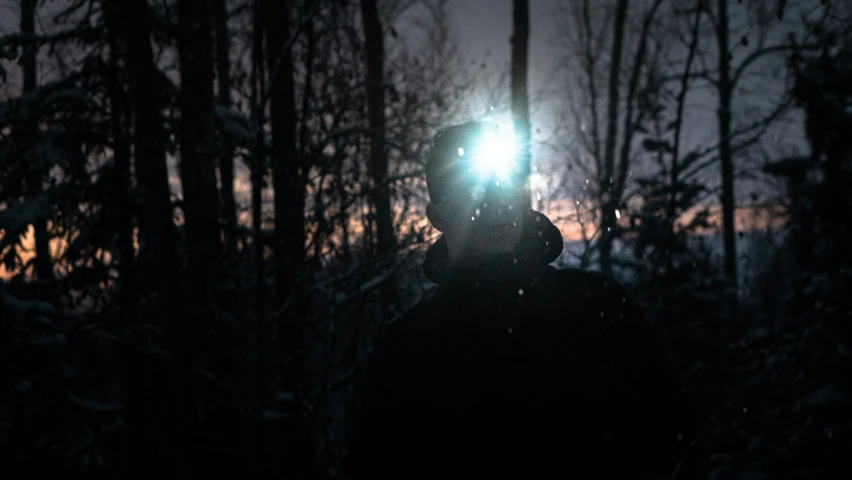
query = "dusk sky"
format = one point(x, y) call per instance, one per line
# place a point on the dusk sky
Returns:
point(483, 28)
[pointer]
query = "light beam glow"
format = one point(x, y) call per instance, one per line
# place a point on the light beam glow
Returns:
point(496, 154)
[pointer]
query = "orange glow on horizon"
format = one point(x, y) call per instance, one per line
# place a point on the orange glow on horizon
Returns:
point(561, 212)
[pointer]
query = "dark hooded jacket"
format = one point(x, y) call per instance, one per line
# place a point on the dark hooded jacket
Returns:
point(514, 369)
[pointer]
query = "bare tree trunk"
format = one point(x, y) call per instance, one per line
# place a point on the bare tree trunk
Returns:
point(200, 206)
point(258, 170)
point(606, 184)
point(286, 161)
point(43, 263)
point(674, 177)
point(231, 299)
point(375, 50)
point(226, 159)
point(197, 150)
point(520, 94)
point(288, 172)
point(123, 210)
point(632, 118)
point(157, 224)
point(725, 90)
point(120, 208)
point(147, 390)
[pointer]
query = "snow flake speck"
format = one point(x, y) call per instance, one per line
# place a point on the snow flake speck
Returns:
point(521, 291)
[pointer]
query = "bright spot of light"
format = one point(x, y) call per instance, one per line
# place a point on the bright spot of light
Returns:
point(461, 151)
point(617, 214)
point(496, 154)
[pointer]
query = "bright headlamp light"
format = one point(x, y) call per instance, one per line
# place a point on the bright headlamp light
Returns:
point(494, 155)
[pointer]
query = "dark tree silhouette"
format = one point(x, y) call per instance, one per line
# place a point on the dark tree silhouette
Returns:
point(725, 87)
point(197, 144)
point(374, 47)
point(226, 158)
point(288, 170)
point(520, 92)
point(43, 263)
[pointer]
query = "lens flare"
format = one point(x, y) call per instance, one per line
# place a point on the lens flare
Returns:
point(496, 154)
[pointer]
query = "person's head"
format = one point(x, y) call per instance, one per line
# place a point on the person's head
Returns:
point(475, 192)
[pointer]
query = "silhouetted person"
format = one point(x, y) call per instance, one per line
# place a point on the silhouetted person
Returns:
point(512, 368)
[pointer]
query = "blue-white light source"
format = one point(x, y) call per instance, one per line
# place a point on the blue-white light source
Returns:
point(495, 155)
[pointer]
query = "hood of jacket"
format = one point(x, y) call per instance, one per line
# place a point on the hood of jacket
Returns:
point(539, 245)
